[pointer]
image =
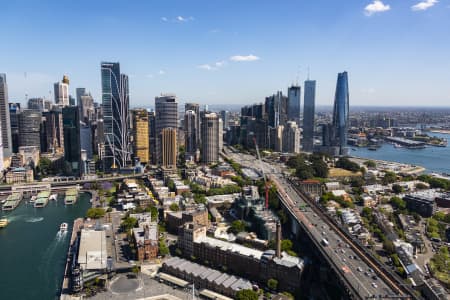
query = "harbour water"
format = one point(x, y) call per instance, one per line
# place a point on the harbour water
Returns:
point(434, 159)
point(33, 252)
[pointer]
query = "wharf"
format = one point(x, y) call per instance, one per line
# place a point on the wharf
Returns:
point(42, 199)
point(65, 288)
point(12, 201)
point(406, 142)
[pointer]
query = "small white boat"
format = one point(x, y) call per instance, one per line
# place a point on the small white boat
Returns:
point(398, 146)
point(53, 197)
point(63, 227)
point(33, 198)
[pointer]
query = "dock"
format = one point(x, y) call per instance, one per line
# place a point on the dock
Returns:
point(12, 201)
point(71, 196)
point(406, 142)
point(67, 286)
point(42, 199)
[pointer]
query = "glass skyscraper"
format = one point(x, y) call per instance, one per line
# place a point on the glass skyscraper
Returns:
point(5, 118)
point(341, 113)
point(308, 115)
point(115, 101)
point(293, 109)
point(72, 145)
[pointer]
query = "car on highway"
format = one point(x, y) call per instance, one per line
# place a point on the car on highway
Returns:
point(374, 285)
point(359, 269)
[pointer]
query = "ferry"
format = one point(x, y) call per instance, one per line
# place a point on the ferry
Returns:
point(3, 223)
point(71, 196)
point(33, 198)
point(397, 145)
point(12, 201)
point(53, 197)
point(63, 227)
point(42, 199)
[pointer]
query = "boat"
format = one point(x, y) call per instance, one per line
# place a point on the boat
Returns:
point(3, 223)
point(53, 197)
point(63, 227)
point(33, 198)
point(397, 145)
point(372, 147)
point(12, 201)
point(42, 199)
point(71, 196)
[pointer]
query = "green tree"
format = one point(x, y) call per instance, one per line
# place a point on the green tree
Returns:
point(163, 249)
point(370, 164)
point(272, 284)
point(398, 203)
point(95, 213)
point(286, 245)
point(347, 164)
point(237, 226)
point(174, 207)
point(397, 189)
point(247, 295)
point(45, 166)
point(128, 223)
point(421, 186)
point(389, 247)
point(389, 177)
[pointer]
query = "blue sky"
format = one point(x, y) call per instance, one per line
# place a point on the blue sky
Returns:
point(397, 52)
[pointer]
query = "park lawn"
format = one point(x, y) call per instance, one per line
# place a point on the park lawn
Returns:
point(338, 172)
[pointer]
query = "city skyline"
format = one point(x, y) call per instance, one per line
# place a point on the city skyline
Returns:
point(223, 54)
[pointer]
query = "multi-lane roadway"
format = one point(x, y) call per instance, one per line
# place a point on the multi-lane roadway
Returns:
point(365, 278)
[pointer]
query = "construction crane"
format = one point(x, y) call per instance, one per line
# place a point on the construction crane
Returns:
point(266, 183)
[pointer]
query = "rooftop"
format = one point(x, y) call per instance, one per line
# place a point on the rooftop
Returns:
point(92, 253)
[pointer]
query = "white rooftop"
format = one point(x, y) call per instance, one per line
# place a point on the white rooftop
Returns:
point(92, 254)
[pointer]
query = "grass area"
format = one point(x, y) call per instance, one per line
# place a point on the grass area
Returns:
point(439, 265)
point(338, 172)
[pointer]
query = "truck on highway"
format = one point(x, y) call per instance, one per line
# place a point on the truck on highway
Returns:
point(324, 242)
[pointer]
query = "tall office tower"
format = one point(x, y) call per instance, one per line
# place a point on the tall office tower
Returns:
point(276, 109)
point(5, 122)
point(224, 117)
point(72, 101)
point(36, 104)
point(166, 116)
point(210, 138)
point(115, 102)
point(279, 138)
point(86, 141)
point(14, 111)
point(141, 135)
point(152, 137)
point(80, 92)
point(190, 123)
point(29, 128)
point(220, 136)
point(293, 105)
point(291, 137)
point(52, 125)
point(195, 107)
point(61, 90)
point(169, 148)
point(1, 152)
point(308, 115)
point(341, 113)
point(86, 106)
point(72, 145)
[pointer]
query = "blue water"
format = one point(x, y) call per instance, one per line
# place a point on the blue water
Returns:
point(434, 159)
point(33, 252)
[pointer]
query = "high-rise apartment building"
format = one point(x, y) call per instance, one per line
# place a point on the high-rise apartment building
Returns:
point(210, 138)
point(166, 116)
point(190, 132)
point(293, 105)
point(341, 113)
point(276, 109)
point(29, 128)
point(169, 148)
point(5, 118)
point(308, 115)
point(61, 91)
point(195, 107)
point(72, 145)
point(291, 137)
point(224, 117)
point(116, 118)
point(141, 135)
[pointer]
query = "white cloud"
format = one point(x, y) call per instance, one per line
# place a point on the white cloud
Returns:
point(212, 67)
point(424, 5)
point(205, 67)
point(377, 6)
point(164, 19)
point(184, 19)
point(220, 64)
point(161, 72)
point(250, 57)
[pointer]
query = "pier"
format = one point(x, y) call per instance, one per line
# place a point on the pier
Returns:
point(66, 285)
point(406, 142)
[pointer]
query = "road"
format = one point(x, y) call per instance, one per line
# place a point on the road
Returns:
point(364, 279)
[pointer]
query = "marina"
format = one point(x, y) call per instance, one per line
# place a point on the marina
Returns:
point(71, 196)
point(12, 201)
point(42, 199)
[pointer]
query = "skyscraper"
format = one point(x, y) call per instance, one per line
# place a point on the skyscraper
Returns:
point(152, 137)
point(166, 116)
point(291, 138)
point(308, 115)
point(224, 117)
point(190, 135)
point(29, 128)
point(53, 141)
point(141, 135)
point(61, 90)
point(85, 103)
point(14, 111)
point(195, 107)
point(341, 113)
point(72, 145)
point(115, 101)
point(276, 109)
point(210, 138)
point(169, 147)
point(5, 122)
point(293, 106)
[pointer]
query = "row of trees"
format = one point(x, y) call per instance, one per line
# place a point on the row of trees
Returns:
point(308, 166)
